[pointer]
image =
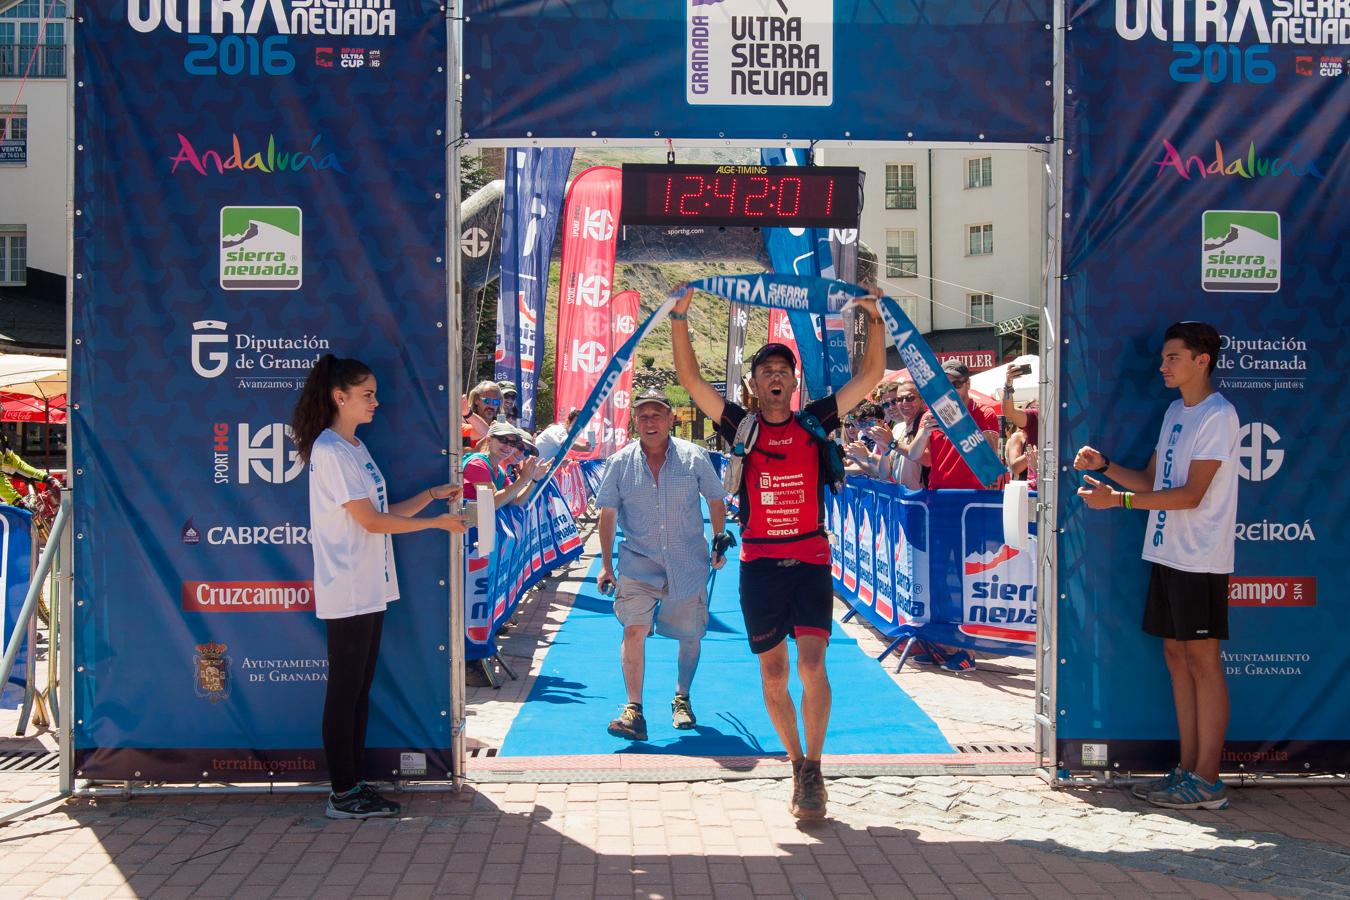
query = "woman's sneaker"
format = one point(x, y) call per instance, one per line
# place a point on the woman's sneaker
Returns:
point(361, 802)
point(1144, 788)
point(630, 724)
point(1192, 792)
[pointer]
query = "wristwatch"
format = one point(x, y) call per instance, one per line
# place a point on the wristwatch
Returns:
point(1106, 464)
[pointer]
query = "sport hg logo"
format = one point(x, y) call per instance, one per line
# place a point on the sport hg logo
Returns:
point(1257, 458)
point(588, 356)
point(261, 248)
point(268, 453)
point(209, 363)
point(597, 224)
point(1240, 251)
point(593, 290)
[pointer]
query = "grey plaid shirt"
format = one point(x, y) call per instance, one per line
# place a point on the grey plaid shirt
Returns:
point(663, 540)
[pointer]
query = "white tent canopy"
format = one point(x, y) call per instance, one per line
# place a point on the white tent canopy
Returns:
point(1025, 387)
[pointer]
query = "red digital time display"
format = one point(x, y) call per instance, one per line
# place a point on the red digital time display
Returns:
point(763, 196)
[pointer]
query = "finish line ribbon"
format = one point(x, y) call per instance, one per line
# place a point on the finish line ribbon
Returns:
point(820, 296)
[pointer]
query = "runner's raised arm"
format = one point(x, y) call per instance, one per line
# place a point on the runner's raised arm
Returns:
point(704, 395)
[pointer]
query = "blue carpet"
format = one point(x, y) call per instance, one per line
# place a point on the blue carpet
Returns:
point(580, 689)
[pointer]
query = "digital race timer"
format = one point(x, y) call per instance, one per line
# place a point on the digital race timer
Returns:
point(764, 196)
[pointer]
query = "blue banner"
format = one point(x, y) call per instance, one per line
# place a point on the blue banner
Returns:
point(797, 251)
point(753, 70)
point(933, 564)
point(531, 204)
point(1218, 198)
point(533, 539)
point(937, 391)
point(16, 566)
point(250, 195)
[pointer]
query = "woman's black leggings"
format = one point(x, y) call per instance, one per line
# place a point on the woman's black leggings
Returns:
point(353, 647)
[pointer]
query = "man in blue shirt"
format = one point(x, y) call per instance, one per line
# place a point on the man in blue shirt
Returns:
point(652, 489)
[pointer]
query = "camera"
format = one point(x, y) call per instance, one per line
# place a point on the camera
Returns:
point(1018, 371)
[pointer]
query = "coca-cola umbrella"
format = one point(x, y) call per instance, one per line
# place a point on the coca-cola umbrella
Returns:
point(34, 387)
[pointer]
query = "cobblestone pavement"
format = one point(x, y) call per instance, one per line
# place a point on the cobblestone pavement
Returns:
point(888, 838)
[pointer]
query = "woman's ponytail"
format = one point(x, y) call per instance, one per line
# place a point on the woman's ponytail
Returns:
point(315, 410)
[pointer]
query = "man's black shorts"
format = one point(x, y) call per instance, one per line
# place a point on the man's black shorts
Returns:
point(1186, 606)
point(784, 596)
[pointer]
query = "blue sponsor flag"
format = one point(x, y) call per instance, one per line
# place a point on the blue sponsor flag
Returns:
point(821, 339)
point(536, 180)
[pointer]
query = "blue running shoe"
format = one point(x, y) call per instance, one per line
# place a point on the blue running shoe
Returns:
point(1144, 788)
point(1192, 792)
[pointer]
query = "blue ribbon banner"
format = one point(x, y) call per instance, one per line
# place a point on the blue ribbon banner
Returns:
point(953, 417)
point(536, 180)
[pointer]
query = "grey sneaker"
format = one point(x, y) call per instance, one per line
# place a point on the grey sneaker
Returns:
point(682, 713)
point(630, 724)
point(1192, 792)
point(1144, 788)
point(808, 794)
point(361, 802)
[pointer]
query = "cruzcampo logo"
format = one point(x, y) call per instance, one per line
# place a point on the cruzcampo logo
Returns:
point(261, 248)
point(1241, 251)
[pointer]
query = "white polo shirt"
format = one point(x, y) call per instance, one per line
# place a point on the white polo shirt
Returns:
point(353, 569)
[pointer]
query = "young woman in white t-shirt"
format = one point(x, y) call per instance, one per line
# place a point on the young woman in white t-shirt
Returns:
point(351, 520)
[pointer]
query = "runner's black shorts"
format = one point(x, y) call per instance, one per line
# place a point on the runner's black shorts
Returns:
point(781, 597)
point(1186, 606)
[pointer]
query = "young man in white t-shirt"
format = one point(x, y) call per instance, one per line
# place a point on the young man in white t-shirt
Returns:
point(1190, 489)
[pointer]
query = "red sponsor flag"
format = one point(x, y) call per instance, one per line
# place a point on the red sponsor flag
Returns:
point(780, 332)
point(585, 308)
point(618, 408)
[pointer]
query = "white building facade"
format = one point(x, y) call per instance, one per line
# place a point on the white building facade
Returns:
point(959, 238)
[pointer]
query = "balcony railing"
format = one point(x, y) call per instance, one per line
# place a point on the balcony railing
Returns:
point(48, 60)
point(898, 266)
point(901, 198)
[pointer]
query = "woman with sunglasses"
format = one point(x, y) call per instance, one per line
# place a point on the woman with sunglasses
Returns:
point(351, 521)
point(485, 468)
point(903, 460)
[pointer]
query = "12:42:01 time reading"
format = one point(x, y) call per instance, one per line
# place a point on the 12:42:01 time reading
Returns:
point(764, 196)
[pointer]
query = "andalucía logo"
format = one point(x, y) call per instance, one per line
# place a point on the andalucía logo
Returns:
point(1252, 165)
point(268, 160)
point(1240, 251)
point(261, 248)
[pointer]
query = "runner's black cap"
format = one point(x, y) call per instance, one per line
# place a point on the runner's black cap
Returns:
point(780, 350)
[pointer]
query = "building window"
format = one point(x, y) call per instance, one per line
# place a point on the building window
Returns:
point(980, 172)
point(902, 253)
point(982, 308)
point(900, 192)
point(981, 240)
point(33, 40)
point(13, 135)
point(13, 254)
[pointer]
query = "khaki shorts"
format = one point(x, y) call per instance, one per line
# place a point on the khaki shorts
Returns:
point(639, 603)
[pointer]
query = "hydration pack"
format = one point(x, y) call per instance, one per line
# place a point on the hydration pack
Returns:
point(829, 461)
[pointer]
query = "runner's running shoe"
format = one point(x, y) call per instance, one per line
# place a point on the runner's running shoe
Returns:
point(682, 713)
point(808, 792)
point(630, 724)
point(1144, 788)
point(1192, 792)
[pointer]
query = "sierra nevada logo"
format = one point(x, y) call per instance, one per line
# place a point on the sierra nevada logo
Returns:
point(759, 52)
point(1240, 251)
point(261, 248)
